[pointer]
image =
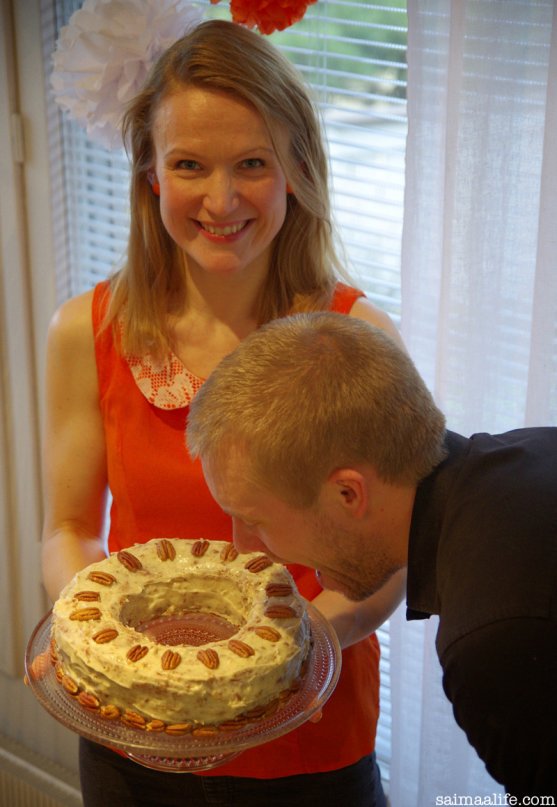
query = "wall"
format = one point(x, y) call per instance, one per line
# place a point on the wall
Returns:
point(26, 305)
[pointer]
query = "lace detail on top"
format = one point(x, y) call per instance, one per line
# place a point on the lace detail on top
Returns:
point(167, 384)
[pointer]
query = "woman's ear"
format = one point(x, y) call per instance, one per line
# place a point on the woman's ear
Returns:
point(154, 183)
point(349, 490)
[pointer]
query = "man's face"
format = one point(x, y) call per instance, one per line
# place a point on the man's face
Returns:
point(315, 537)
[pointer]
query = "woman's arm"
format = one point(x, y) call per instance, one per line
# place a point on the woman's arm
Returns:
point(74, 455)
point(354, 621)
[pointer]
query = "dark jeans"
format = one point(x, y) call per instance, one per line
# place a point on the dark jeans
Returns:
point(110, 780)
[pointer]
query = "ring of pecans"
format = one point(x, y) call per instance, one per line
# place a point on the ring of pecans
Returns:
point(207, 656)
point(135, 720)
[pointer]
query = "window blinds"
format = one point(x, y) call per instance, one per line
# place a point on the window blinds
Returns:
point(353, 56)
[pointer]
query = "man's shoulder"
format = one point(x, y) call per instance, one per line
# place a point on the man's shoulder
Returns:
point(497, 552)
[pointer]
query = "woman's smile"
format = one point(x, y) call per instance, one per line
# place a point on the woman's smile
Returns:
point(223, 231)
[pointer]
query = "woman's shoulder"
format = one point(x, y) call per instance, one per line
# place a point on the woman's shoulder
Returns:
point(74, 312)
point(71, 350)
point(71, 324)
point(366, 310)
point(344, 297)
point(80, 313)
point(350, 300)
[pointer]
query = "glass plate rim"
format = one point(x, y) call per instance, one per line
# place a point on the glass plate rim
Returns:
point(324, 666)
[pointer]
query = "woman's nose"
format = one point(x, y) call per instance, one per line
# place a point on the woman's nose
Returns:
point(221, 194)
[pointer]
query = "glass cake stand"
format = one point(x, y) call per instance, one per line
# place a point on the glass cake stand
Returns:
point(188, 753)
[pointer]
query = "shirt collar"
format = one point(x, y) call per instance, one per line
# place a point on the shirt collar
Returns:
point(425, 531)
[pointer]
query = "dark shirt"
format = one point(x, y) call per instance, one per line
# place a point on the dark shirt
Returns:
point(483, 555)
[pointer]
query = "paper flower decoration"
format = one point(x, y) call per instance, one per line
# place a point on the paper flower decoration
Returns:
point(268, 15)
point(104, 54)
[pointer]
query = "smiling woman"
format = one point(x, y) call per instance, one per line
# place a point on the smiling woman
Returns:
point(183, 105)
point(230, 228)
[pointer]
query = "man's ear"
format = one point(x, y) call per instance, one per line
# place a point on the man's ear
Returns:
point(349, 490)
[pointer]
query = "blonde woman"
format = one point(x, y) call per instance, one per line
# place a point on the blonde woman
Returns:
point(230, 228)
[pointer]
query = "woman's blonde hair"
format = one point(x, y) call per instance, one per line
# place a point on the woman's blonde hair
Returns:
point(227, 57)
point(313, 392)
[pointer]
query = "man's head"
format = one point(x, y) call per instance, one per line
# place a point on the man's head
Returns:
point(313, 435)
point(313, 392)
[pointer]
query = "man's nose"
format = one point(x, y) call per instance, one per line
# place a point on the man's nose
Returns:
point(245, 539)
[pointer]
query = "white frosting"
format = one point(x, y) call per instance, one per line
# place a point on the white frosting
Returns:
point(191, 691)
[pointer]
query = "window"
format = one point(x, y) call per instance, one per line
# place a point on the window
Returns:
point(353, 55)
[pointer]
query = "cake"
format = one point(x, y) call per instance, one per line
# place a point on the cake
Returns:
point(104, 657)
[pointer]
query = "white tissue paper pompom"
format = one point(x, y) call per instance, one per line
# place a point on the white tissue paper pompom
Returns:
point(104, 54)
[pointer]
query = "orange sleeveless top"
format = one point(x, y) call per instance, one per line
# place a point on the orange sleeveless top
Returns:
point(157, 491)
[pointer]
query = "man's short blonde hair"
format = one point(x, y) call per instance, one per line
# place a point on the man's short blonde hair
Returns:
point(313, 392)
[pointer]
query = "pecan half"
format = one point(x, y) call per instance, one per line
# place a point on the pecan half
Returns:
point(105, 635)
point(256, 712)
point(85, 614)
point(280, 612)
point(232, 725)
point(228, 553)
point(69, 685)
point(272, 707)
point(128, 560)
point(296, 685)
point(87, 596)
point(199, 548)
point(258, 564)
point(137, 652)
point(170, 660)
point(204, 731)
point(165, 550)
point(103, 578)
point(177, 729)
point(268, 633)
point(89, 701)
point(209, 657)
point(155, 726)
point(133, 720)
point(109, 712)
point(278, 590)
point(241, 648)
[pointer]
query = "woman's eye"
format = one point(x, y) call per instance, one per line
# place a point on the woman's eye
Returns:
point(253, 162)
point(188, 165)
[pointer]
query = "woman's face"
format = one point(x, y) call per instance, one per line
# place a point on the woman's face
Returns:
point(222, 190)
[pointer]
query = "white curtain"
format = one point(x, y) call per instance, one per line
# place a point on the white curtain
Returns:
point(479, 291)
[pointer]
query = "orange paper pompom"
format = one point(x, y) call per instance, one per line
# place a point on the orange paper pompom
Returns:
point(268, 15)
